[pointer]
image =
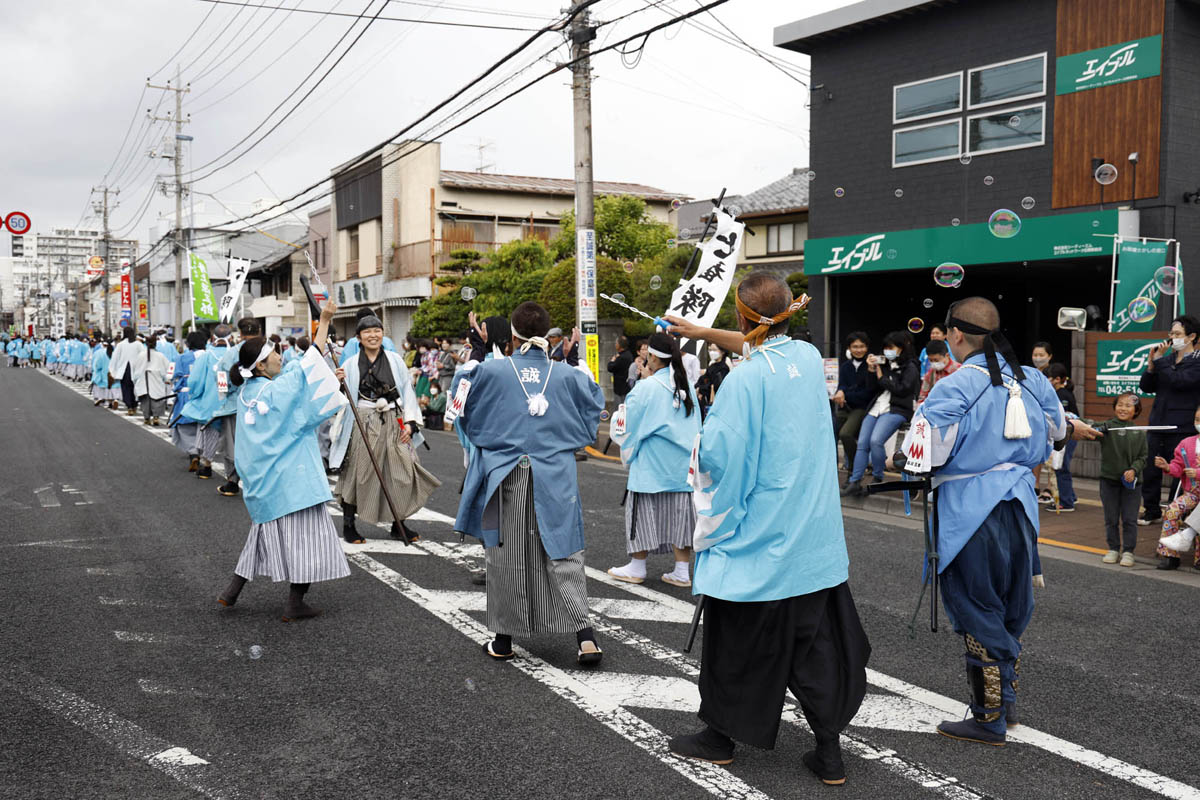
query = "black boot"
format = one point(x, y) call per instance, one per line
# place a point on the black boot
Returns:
point(1168, 562)
point(349, 532)
point(707, 745)
point(230, 595)
point(205, 470)
point(229, 489)
point(296, 607)
point(826, 762)
point(401, 533)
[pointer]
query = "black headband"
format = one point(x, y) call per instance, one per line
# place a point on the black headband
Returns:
point(994, 341)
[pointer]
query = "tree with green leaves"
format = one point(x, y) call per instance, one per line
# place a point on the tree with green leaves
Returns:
point(625, 230)
point(557, 294)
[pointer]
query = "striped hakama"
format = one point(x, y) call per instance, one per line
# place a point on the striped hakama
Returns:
point(301, 547)
point(358, 485)
point(659, 521)
point(207, 438)
point(527, 591)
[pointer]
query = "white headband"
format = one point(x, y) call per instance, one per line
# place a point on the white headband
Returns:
point(658, 353)
point(248, 372)
point(530, 341)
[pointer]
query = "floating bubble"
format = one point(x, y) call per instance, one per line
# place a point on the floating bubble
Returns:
point(255, 652)
point(916, 325)
point(676, 204)
point(468, 293)
point(628, 265)
point(988, 180)
point(1004, 224)
point(891, 254)
point(734, 211)
point(655, 282)
point(1028, 203)
point(812, 176)
point(927, 302)
point(839, 192)
point(954, 222)
point(899, 193)
point(671, 243)
point(1142, 309)
point(1095, 223)
point(618, 298)
point(1167, 279)
point(470, 683)
point(604, 415)
point(964, 159)
point(948, 275)
point(685, 233)
point(523, 461)
point(1014, 121)
point(1105, 174)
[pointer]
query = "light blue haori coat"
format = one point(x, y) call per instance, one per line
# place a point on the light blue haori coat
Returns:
point(100, 367)
point(769, 516)
point(498, 424)
point(971, 481)
point(353, 346)
point(658, 439)
point(276, 452)
point(227, 364)
point(167, 349)
point(411, 409)
point(204, 401)
point(183, 370)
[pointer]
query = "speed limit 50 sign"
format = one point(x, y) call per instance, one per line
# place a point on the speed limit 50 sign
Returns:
point(17, 223)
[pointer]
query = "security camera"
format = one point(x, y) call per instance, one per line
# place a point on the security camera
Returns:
point(1133, 157)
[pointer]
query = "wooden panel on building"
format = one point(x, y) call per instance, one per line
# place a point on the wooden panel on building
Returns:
point(1112, 121)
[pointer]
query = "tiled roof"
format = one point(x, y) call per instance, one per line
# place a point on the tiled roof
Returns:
point(555, 186)
point(786, 194)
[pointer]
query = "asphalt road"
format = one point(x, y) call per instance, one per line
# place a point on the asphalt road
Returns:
point(120, 676)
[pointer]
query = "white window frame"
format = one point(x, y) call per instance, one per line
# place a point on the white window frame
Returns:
point(952, 121)
point(1007, 100)
point(996, 112)
point(907, 120)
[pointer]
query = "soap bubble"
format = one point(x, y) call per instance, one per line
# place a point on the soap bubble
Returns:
point(604, 415)
point(671, 243)
point(899, 193)
point(1004, 224)
point(470, 684)
point(916, 325)
point(927, 302)
point(1142, 309)
point(954, 222)
point(839, 192)
point(988, 180)
point(1014, 121)
point(1095, 223)
point(628, 266)
point(734, 211)
point(948, 275)
point(812, 176)
point(1167, 279)
point(618, 298)
point(1105, 174)
point(655, 282)
point(1028, 203)
point(468, 293)
point(964, 159)
point(891, 254)
point(685, 233)
point(676, 204)
point(256, 651)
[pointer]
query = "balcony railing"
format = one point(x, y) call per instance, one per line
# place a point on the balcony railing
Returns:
point(352, 269)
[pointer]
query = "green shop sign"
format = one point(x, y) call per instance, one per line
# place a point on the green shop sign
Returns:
point(1105, 66)
point(1120, 363)
point(1137, 262)
point(1039, 238)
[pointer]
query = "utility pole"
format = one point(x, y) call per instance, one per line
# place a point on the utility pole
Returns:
point(179, 89)
point(105, 249)
point(582, 33)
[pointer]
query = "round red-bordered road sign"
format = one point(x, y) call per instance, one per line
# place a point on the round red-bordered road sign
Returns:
point(22, 223)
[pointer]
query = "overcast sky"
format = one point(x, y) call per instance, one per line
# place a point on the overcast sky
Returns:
point(695, 114)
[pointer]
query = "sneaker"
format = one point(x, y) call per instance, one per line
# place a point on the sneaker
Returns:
point(1111, 557)
point(1180, 541)
point(1061, 509)
point(1144, 520)
point(1045, 498)
point(853, 489)
point(1127, 559)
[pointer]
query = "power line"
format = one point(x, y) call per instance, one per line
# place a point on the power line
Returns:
point(248, 27)
point(250, 52)
point(482, 25)
point(125, 138)
point(185, 43)
point(475, 9)
point(217, 38)
point(755, 50)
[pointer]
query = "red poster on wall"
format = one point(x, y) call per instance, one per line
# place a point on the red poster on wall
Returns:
point(126, 293)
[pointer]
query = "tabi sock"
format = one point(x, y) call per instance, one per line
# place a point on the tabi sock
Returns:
point(682, 570)
point(636, 568)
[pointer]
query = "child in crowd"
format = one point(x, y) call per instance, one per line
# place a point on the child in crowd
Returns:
point(941, 364)
point(1060, 379)
point(1177, 536)
point(937, 333)
point(1122, 458)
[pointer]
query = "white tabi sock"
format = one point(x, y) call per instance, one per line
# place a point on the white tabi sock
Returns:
point(636, 568)
point(682, 570)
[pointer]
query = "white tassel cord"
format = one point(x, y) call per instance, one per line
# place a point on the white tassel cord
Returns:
point(1016, 422)
point(537, 404)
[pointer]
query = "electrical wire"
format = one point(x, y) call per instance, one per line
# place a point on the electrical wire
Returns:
point(216, 60)
point(185, 42)
point(233, 18)
point(125, 138)
point(474, 9)
point(481, 25)
point(755, 50)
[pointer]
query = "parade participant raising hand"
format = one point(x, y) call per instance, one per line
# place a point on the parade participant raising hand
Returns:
point(291, 537)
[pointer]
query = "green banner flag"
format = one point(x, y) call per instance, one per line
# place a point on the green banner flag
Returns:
point(1136, 264)
point(1105, 66)
point(204, 304)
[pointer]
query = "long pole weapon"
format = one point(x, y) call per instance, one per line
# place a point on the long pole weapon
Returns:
point(362, 429)
point(924, 484)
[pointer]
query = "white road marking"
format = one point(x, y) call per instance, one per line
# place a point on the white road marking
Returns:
point(69, 544)
point(129, 601)
point(147, 638)
point(711, 778)
point(105, 570)
point(176, 762)
point(46, 497)
point(150, 686)
point(383, 546)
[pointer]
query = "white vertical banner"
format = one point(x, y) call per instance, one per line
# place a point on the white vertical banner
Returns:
point(238, 269)
point(699, 298)
point(585, 296)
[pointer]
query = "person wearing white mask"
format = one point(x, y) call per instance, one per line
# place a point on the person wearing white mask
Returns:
point(710, 381)
point(895, 373)
point(1173, 377)
point(941, 364)
point(1041, 355)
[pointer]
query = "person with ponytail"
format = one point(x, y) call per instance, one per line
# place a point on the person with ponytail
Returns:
point(292, 537)
point(656, 429)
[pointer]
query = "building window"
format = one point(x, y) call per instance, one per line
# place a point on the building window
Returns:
point(787, 237)
point(283, 283)
point(927, 98)
point(352, 253)
point(921, 144)
point(1011, 129)
point(1019, 79)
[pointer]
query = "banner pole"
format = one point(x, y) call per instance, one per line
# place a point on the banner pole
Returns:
point(1112, 286)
